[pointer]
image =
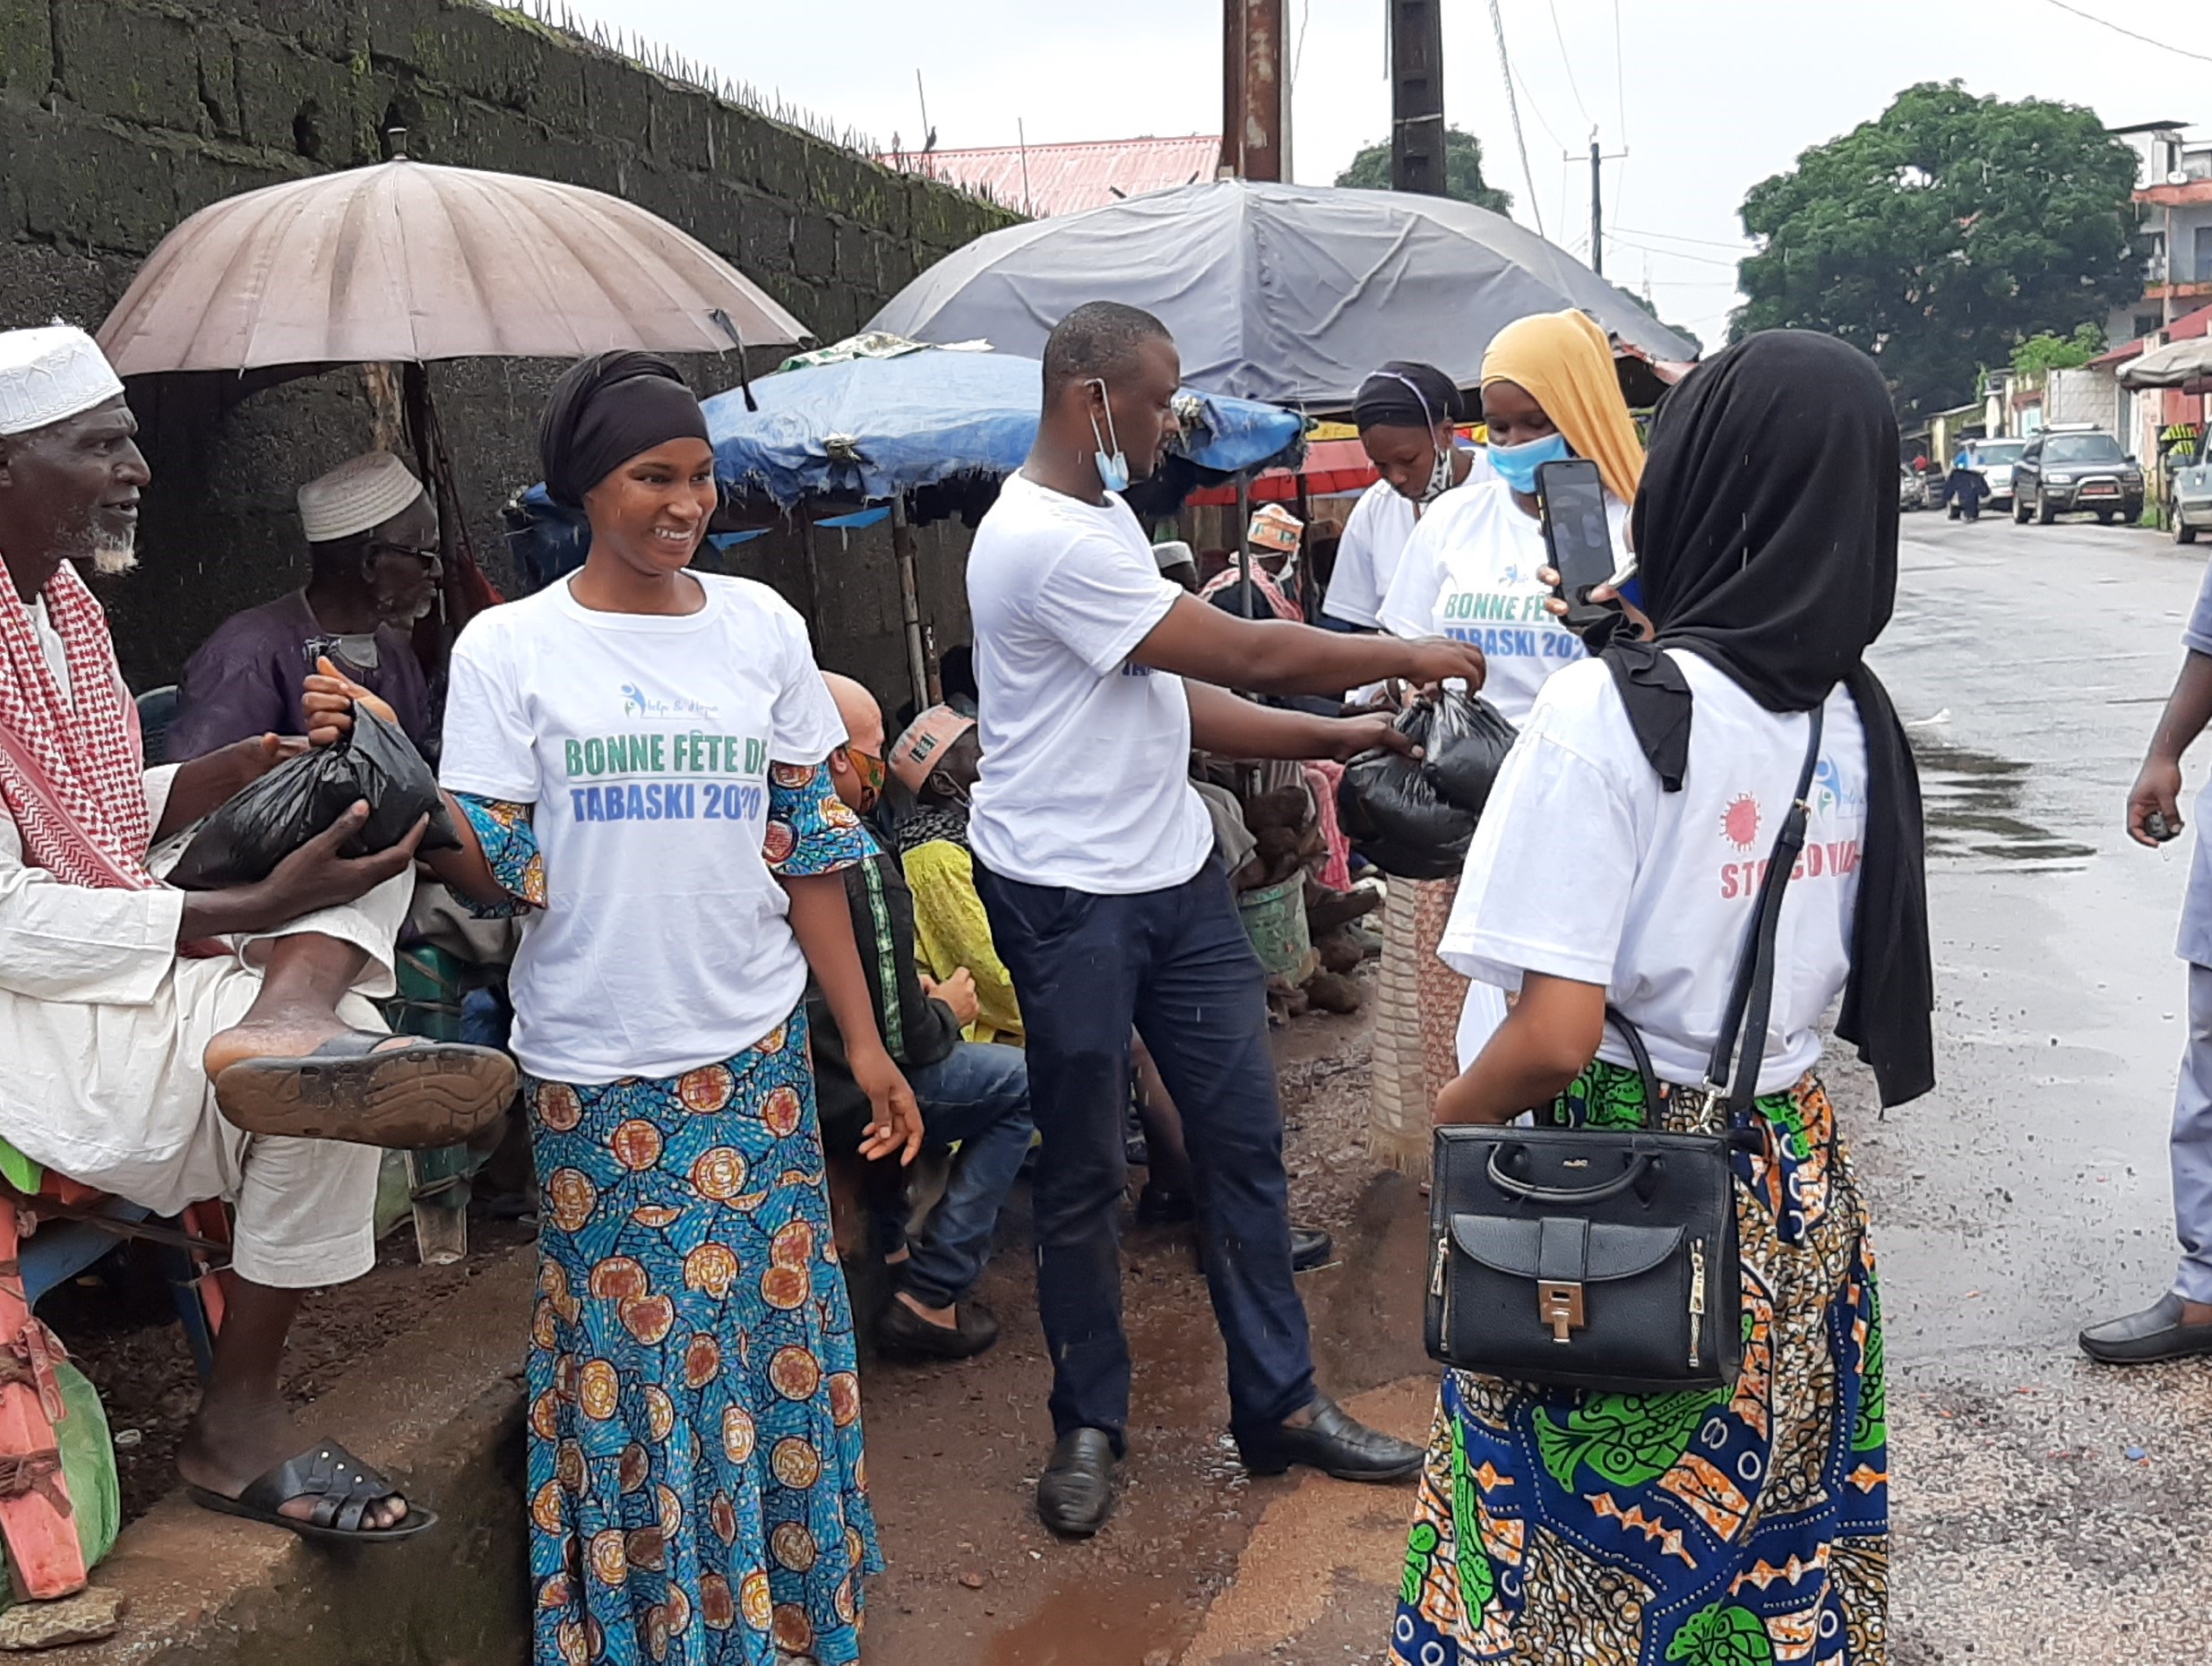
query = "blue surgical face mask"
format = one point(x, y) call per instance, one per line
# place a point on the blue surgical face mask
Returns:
point(1113, 467)
point(1517, 465)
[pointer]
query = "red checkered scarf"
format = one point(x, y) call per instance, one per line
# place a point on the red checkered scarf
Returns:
point(72, 775)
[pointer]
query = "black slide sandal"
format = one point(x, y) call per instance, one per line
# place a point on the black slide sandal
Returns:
point(341, 1485)
point(356, 1087)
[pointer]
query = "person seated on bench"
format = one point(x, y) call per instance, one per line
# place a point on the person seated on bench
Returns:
point(373, 537)
point(972, 1094)
point(169, 1046)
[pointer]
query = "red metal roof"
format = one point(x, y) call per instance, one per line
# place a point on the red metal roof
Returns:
point(1043, 179)
point(2176, 196)
point(2186, 328)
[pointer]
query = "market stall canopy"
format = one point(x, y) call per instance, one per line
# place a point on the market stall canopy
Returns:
point(870, 425)
point(2174, 365)
point(1289, 293)
point(409, 261)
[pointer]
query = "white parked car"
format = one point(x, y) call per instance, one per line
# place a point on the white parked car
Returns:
point(1994, 459)
point(2193, 502)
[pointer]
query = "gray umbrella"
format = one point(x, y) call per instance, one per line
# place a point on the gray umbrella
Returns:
point(1290, 293)
point(2173, 365)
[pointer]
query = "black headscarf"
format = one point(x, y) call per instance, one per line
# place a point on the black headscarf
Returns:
point(1406, 393)
point(1766, 537)
point(606, 410)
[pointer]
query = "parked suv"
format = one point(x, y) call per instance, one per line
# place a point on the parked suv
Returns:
point(2068, 469)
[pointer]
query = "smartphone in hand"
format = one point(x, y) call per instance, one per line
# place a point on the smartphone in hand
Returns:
point(1571, 501)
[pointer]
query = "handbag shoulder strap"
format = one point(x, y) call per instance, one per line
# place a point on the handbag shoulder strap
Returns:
point(1743, 1023)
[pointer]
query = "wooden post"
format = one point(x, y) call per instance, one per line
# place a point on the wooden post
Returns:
point(910, 603)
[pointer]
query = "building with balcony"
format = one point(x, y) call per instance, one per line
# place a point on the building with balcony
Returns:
point(2174, 205)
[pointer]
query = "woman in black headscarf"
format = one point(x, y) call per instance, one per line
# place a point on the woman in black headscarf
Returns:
point(637, 751)
point(1617, 866)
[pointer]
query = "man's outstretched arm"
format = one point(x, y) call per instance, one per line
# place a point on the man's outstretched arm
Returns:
point(1274, 657)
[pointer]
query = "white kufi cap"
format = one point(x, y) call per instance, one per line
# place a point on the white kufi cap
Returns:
point(359, 494)
point(49, 373)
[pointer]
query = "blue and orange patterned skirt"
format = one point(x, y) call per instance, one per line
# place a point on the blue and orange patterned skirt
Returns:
point(1740, 1527)
point(697, 1493)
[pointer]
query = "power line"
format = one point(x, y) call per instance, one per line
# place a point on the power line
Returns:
point(1702, 260)
point(1512, 105)
point(1536, 110)
point(2148, 41)
point(1567, 62)
point(1620, 77)
point(1676, 236)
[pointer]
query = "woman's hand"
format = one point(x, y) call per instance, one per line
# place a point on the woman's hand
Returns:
point(329, 703)
point(896, 1127)
point(1600, 594)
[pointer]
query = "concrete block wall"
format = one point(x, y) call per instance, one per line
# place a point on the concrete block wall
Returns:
point(118, 118)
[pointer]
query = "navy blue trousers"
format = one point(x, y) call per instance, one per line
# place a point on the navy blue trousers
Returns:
point(1176, 965)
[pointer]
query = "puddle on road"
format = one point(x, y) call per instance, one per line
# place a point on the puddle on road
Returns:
point(1973, 802)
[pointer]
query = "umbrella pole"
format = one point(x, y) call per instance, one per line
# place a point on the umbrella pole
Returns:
point(918, 667)
point(1242, 531)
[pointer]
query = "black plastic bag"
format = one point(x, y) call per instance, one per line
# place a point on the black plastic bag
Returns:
point(241, 843)
point(1414, 816)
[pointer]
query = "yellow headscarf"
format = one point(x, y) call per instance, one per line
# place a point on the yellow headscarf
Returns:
point(1565, 363)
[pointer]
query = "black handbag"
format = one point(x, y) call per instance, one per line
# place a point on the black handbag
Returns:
point(1606, 1259)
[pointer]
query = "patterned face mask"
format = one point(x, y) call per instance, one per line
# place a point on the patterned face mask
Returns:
point(872, 772)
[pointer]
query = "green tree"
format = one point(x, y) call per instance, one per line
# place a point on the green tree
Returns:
point(1649, 306)
point(1463, 171)
point(2039, 354)
point(1940, 235)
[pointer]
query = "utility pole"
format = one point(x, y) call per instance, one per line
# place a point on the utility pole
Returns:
point(1255, 93)
point(1417, 40)
point(1598, 157)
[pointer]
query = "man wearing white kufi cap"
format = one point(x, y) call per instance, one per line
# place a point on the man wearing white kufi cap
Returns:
point(373, 537)
point(122, 999)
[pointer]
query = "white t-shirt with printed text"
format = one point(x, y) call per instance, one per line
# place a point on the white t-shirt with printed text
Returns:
point(1584, 868)
point(1375, 539)
point(1086, 757)
point(644, 742)
point(1469, 572)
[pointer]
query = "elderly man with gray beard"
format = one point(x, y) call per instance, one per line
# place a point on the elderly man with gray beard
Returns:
point(169, 1046)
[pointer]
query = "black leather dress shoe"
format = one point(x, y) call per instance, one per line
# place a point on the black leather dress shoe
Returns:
point(1335, 1443)
point(1075, 1494)
point(906, 1335)
point(1310, 1247)
point(2157, 1333)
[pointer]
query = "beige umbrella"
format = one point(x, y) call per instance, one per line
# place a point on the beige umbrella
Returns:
point(409, 261)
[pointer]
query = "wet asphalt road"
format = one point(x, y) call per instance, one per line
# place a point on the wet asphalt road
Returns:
point(2029, 1193)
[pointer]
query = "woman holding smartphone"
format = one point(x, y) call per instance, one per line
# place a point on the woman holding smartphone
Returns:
point(1615, 869)
point(637, 753)
point(1470, 571)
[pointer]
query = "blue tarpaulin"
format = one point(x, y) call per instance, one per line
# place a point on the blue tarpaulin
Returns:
point(868, 429)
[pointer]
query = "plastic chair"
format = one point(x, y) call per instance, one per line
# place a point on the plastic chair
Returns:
point(157, 709)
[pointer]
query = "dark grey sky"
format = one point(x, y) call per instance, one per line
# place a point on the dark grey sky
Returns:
point(1710, 96)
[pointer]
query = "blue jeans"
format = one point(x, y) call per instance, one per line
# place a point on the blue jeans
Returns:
point(1177, 965)
point(978, 1095)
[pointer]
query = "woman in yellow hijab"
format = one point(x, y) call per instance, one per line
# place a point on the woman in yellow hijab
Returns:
point(1470, 571)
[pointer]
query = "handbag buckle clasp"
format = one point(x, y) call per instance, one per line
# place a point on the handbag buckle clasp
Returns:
point(1559, 1305)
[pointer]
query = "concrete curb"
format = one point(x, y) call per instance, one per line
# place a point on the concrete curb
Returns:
point(439, 1409)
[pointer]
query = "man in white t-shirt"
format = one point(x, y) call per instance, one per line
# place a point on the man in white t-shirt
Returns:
point(1095, 859)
